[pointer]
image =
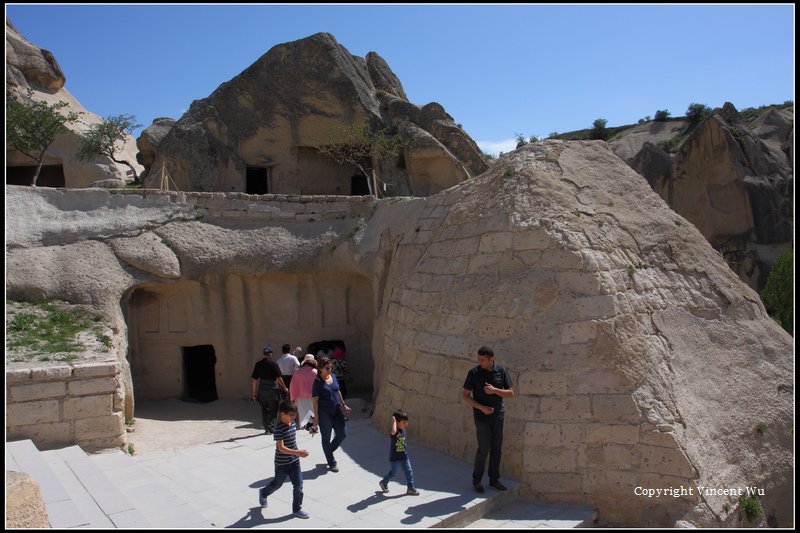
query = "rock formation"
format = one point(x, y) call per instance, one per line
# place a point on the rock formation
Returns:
point(149, 139)
point(630, 141)
point(736, 188)
point(24, 503)
point(28, 66)
point(258, 132)
point(639, 359)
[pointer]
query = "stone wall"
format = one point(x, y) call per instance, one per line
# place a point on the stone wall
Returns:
point(639, 359)
point(60, 405)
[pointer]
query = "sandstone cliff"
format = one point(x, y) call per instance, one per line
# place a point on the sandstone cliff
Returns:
point(639, 359)
point(258, 131)
point(734, 186)
point(28, 66)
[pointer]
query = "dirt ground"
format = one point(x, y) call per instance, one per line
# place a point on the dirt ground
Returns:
point(173, 424)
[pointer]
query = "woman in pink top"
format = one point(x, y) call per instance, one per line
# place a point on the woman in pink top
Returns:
point(300, 390)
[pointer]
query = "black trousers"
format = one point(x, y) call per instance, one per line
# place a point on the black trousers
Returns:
point(490, 444)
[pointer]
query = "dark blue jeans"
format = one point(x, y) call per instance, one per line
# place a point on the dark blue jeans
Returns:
point(296, 475)
point(326, 424)
point(490, 443)
point(405, 464)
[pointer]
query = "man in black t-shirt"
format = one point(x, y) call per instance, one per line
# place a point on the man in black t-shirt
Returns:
point(266, 384)
point(484, 389)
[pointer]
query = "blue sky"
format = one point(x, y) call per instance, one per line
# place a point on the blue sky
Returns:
point(498, 70)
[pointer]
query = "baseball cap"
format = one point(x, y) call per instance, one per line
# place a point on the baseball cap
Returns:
point(267, 350)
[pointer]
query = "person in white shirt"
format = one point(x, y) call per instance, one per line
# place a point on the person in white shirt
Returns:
point(288, 363)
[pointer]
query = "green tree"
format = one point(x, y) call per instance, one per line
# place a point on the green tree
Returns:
point(778, 294)
point(520, 140)
point(599, 130)
point(662, 115)
point(695, 113)
point(351, 144)
point(107, 139)
point(32, 126)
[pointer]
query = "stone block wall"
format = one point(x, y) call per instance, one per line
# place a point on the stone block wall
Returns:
point(61, 405)
point(291, 207)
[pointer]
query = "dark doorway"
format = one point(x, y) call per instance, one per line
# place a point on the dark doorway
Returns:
point(199, 384)
point(49, 176)
point(337, 352)
point(257, 180)
point(359, 185)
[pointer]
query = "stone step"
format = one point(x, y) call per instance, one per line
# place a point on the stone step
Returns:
point(165, 507)
point(92, 491)
point(62, 511)
point(537, 514)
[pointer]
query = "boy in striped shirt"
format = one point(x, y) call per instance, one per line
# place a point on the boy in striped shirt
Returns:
point(287, 460)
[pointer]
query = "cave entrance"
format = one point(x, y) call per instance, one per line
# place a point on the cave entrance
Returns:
point(199, 383)
point(49, 175)
point(258, 180)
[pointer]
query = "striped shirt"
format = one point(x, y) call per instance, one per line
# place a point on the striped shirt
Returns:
point(288, 435)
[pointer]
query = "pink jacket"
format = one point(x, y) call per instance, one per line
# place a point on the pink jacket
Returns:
point(302, 381)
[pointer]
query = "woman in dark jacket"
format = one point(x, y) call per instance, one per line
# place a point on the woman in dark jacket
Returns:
point(330, 409)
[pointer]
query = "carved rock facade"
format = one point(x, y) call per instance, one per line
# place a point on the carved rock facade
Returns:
point(638, 357)
point(258, 132)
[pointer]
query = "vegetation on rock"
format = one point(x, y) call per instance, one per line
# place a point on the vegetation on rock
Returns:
point(778, 293)
point(32, 126)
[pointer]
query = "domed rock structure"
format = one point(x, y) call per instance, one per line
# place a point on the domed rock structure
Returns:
point(259, 132)
point(640, 360)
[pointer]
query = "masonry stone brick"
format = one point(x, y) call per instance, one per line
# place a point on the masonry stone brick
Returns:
point(530, 240)
point(557, 483)
point(579, 282)
point(92, 386)
point(35, 391)
point(565, 408)
point(100, 426)
point(497, 328)
point(661, 460)
point(578, 332)
point(542, 383)
point(492, 243)
point(35, 412)
point(43, 434)
point(612, 433)
point(87, 406)
point(595, 381)
point(610, 456)
point(51, 373)
point(539, 459)
point(615, 407)
point(18, 375)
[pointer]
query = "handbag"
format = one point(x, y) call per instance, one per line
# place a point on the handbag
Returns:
point(340, 411)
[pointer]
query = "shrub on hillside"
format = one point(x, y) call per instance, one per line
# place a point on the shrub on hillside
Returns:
point(695, 113)
point(778, 292)
point(662, 115)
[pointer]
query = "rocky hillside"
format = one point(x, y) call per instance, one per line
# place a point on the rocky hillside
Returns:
point(30, 67)
point(731, 175)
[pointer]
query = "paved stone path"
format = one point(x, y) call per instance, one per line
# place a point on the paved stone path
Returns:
point(214, 483)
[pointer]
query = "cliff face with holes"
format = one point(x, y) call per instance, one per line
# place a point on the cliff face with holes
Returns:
point(639, 359)
point(259, 131)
